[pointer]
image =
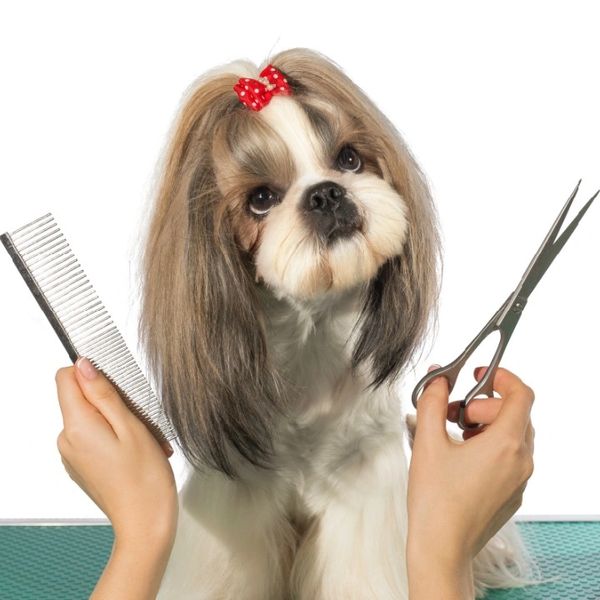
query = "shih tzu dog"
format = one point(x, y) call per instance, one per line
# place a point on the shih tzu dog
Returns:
point(289, 276)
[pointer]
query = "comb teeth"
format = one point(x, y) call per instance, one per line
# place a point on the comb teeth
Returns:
point(53, 274)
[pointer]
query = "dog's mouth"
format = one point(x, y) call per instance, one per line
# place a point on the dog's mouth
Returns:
point(343, 226)
point(341, 232)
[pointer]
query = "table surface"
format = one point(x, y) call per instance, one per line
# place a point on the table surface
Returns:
point(41, 562)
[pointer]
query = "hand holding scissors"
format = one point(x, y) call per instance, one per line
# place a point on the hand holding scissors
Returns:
point(506, 318)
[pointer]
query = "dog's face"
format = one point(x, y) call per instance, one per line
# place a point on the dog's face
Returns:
point(308, 198)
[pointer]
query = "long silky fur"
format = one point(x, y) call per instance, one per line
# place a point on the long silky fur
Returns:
point(201, 325)
point(200, 321)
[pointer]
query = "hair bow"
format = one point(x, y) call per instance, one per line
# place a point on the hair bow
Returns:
point(257, 93)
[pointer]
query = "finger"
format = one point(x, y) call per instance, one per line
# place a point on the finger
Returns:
point(102, 394)
point(467, 434)
point(517, 400)
point(432, 408)
point(454, 407)
point(167, 449)
point(479, 410)
point(504, 380)
point(72, 402)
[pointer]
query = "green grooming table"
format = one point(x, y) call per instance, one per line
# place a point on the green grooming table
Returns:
point(63, 562)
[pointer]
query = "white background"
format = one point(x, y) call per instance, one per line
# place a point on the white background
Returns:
point(498, 101)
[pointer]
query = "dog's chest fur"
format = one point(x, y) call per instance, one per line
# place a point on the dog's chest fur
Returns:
point(337, 427)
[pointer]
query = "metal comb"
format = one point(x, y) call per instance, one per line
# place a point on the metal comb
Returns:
point(67, 298)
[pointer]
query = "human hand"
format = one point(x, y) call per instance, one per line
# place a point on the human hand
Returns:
point(114, 458)
point(461, 493)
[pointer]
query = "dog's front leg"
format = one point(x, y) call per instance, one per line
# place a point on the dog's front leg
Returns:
point(355, 548)
point(232, 541)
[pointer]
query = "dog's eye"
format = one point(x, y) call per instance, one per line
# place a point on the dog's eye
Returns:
point(348, 159)
point(262, 199)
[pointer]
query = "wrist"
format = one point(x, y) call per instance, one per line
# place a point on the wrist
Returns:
point(143, 552)
point(438, 571)
point(136, 565)
point(156, 530)
point(160, 540)
point(158, 536)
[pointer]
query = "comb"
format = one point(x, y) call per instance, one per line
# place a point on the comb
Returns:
point(58, 283)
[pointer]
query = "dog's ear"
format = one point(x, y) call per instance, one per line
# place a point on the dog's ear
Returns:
point(401, 300)
point(200, 321)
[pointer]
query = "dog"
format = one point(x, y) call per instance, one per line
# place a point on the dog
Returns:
point(290, 275)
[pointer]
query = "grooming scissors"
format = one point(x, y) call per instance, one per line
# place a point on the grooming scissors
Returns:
point(506, 318)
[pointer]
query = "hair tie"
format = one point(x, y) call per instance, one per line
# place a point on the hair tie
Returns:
point(257, 93)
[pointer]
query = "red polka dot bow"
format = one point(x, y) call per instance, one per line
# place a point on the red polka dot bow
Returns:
point(257, 93)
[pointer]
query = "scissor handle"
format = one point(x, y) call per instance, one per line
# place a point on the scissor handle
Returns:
point(486, 384)
point(507, 317)
point(452, 370)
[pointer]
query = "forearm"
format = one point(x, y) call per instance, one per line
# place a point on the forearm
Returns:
point(134, 570)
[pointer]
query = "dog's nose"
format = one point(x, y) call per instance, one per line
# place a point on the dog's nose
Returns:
point(329, 210)
point(324, 196)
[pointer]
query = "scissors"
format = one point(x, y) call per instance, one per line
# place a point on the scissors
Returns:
point(506, 318)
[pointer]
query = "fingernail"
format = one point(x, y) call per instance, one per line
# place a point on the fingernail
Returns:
point(432, 368)
point(86, 368)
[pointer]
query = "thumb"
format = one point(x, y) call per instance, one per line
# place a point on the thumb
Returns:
point(432, 408)
point(103, 395)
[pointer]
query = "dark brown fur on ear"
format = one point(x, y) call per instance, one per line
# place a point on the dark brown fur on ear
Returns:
point(201, 324)
point(401, 301)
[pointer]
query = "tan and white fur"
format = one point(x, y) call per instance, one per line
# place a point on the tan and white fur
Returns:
point(275, 330)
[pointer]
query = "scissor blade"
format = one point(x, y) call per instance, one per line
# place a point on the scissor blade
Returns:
point(533, 273)
point(550, 236)
point(545, 258)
